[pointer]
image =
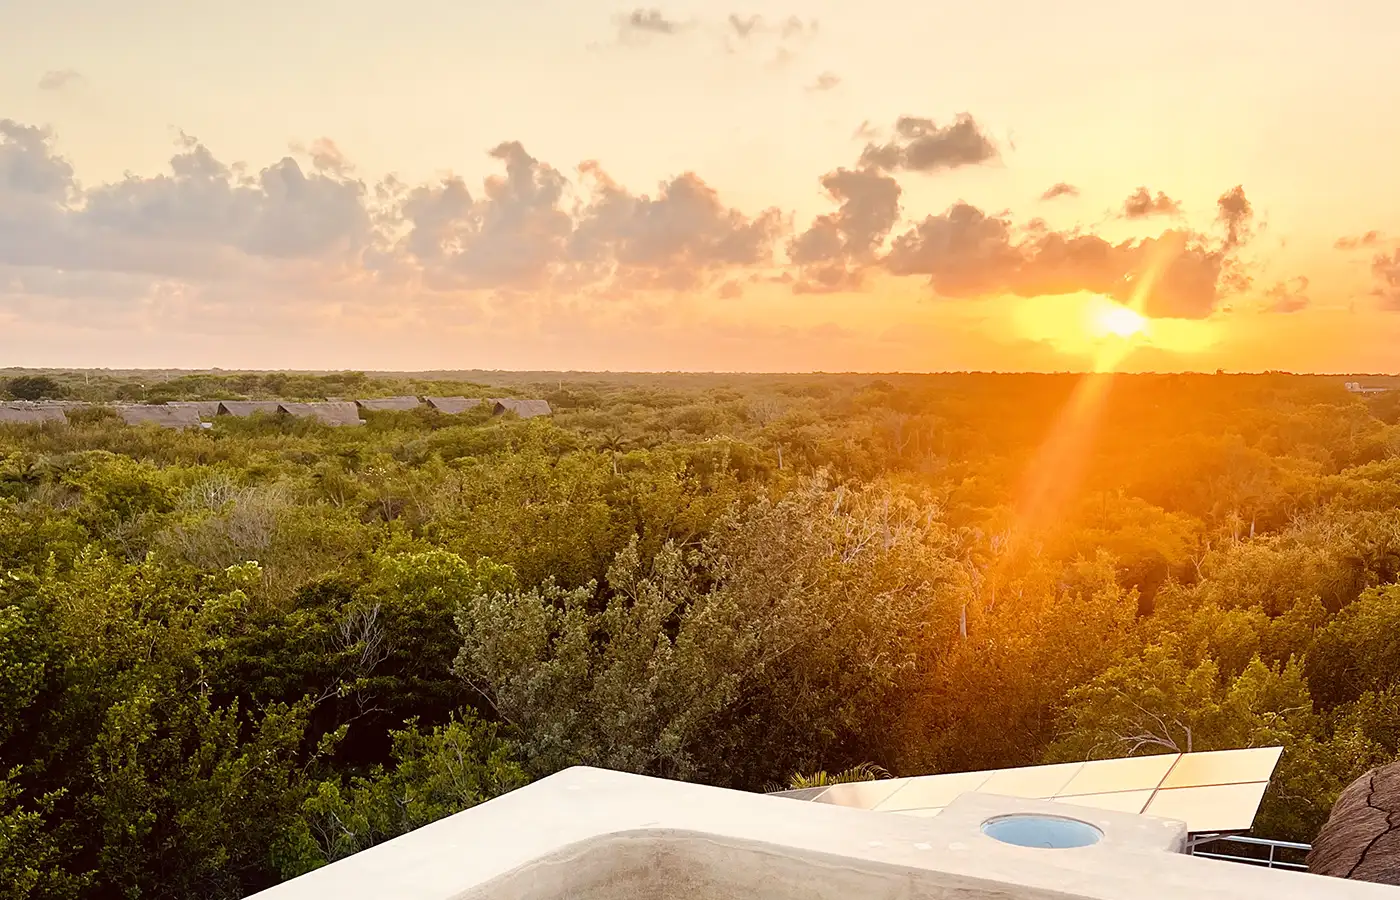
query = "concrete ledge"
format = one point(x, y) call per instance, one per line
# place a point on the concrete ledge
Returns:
point(591, 834)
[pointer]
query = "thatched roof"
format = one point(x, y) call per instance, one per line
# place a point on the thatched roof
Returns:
point(525, 409)
point(389, 403)
point(206, 409)
point(1359, 841)
point(452, 405)
point(329, 412)
point(162, 415)
point(31, 415)
point(248, 407)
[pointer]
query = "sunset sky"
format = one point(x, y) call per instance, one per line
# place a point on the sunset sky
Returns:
point(877, 186)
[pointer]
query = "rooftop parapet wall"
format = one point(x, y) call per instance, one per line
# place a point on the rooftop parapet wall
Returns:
point(591, 834)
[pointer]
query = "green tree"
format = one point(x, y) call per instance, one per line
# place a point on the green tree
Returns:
point(33, 387)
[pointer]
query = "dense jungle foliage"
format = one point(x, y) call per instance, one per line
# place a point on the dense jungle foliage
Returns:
point(230, 656)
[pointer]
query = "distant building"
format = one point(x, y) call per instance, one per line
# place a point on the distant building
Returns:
point(1357, 388)
point(398, 404)
point(525, 409)
point(162, 415)
point(31, 415)
point(245, 408)
point(451, 406)
point(205, 409)
point(330, 412)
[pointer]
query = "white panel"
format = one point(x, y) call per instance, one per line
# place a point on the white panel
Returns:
point(1119, 801)
point(933, 790)
point(862, 794)
point(1223, 767)
point(920, 813)
point(1031, 782)
point(1103, 776)
point(1220, 807)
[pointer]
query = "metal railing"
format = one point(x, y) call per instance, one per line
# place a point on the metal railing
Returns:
point(1251, 851)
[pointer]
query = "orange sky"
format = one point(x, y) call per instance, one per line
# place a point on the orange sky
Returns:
point(815, 186)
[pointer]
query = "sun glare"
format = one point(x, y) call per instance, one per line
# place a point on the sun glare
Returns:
point(1121, 321)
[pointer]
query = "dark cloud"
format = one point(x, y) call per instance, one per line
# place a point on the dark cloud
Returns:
point(1236, 213)
point(650, 21)
point(58, 79)
point(967, 253)
point(1288, 296)
point(1141, 204)
point(920, 145)
point(677, 240)
point(1386, 268)
point(825, 81)
point(835, 252)
point(1060, 189)
point(1360, 241)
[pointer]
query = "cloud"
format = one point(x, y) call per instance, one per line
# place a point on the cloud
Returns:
point(1141, 204)
point(649, 21)
point(826, 81)
point(1360, 241)
point(530, 234)
point(1288, 296)
point(678, 240)
point(1236, 213)
point(835, 252)
point(920, 145)
point(790, 29)
point(58, 79)
point(1386, 268)
point(1060, 189)
point(512, 236)
point(966, 253)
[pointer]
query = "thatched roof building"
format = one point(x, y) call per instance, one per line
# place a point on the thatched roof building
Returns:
point(451, 406)
point(161, 415)
point(205, 409)
point(389, 403)
point(329, 412)
point(525, 409)
point(243, 408)
point(1359, 841)
point(31, 415)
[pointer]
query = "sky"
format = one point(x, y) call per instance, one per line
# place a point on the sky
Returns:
point(808, 185)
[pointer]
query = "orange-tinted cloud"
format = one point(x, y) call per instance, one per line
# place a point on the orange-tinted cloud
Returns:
point(1141, 205)
point(1288, 296)
point(1369, 239)
point(967, 253)
point(1386, 268)
point(837, 250)
point(921, 145)
point(1060, 189)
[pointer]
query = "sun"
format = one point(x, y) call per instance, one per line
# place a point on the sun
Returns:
point(1121, 321)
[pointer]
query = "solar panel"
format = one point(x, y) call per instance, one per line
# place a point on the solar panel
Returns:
point(1217, 807)
point(1118, 801)
point(932, 790)
point(1213, 791)
point(1031, 782)
point(862, 794)
point(1223, 767)
point(1104, 776)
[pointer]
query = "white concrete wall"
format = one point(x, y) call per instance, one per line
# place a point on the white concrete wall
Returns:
point(589, 834)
